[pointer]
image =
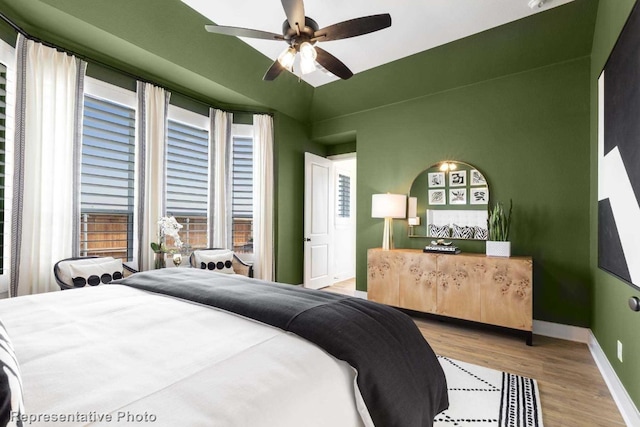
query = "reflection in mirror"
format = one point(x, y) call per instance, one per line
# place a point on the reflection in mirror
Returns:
point(449, 200)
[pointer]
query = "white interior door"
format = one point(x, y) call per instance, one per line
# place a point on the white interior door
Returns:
point(318, 221)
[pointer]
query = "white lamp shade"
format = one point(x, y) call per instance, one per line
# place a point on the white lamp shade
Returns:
point(287, 57)
point(412, 214)
point(413, 207)
point(388, 206)
point(307, 65)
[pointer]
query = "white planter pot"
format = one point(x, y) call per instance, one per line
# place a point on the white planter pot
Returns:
point(502, 249)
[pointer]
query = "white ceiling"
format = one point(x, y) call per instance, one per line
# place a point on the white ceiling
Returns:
point(417, 25)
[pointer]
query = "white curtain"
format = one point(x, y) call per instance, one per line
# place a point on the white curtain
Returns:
point(263, 266)
point(220, 167)
point(47, 142)
point(153, 105)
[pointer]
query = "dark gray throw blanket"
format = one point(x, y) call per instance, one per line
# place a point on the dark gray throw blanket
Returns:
point(399, 376)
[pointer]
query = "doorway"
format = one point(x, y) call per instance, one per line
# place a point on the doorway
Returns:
point(345, 222)
point(329, 220)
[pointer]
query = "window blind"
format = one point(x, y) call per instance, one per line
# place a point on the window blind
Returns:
point(3, 118)
point(107, 179)
point(344, 196)
point(242, 194)
point(187, 180)
point(187, 169)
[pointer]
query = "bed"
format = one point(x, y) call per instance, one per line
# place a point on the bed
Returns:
point(195, 348)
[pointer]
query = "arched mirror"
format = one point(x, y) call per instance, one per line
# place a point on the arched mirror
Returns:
point(449, 200)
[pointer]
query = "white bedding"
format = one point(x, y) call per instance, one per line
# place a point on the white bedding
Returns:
point(147, 359)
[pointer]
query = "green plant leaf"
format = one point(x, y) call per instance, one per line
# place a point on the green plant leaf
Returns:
point(499, 222)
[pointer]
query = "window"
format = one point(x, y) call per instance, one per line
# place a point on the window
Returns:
point(187, 180)
point(344, 196)
point(242, 190)
point(3, 119)
point(108, 174)
point(7, 127)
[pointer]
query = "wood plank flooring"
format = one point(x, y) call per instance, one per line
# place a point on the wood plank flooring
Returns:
point(572, 391)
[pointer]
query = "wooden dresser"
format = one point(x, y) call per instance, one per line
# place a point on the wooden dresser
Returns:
point(495, 291)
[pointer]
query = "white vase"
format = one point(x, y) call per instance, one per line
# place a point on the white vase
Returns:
point(502, 249)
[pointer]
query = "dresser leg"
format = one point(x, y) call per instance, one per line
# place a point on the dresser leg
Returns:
point(530, 338)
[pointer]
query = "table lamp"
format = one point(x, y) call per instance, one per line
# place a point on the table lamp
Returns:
point(388, 206)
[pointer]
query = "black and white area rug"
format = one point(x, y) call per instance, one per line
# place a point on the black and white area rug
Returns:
point(485, 397)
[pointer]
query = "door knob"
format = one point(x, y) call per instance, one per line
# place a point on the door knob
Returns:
point(306, 239)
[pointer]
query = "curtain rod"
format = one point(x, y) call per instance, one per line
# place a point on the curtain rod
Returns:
point(19, 30)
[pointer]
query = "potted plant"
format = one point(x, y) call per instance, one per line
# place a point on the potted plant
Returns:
point(167, 226)
point(499, 223)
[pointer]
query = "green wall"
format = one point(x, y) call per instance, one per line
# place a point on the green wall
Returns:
point(291, 142)
point(552, 36)
point(529, 134)
point(612, 319)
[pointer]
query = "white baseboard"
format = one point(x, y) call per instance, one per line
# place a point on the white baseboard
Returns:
point(626, 406)
point(623, 401)
point(563, 332)
point(361, 294)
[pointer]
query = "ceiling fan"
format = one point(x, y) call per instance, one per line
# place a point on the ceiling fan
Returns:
point(302, 33)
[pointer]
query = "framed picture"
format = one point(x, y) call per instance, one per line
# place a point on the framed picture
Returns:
point(436, 179)
point(457, 178)
point(477, 178)
point(619, 157)
point(458, 196)
point(479, 196)
point(437, 197)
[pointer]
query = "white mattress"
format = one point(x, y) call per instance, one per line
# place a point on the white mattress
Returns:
point(147, 359)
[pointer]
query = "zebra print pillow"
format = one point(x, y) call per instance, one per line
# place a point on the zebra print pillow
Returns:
point(11, 402)
point(462, 232)
point(480, 233)
point(438, 231)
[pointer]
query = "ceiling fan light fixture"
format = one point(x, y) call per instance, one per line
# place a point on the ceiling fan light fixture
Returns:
point(301, 33)
point(536, 3)
point(287, 57)
point(307, 51)
point(308, 57)
point(307, 65)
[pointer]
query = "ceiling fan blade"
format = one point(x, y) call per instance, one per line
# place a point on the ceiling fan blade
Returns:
point(273, 71)
point(242, 32)
point(294, 9)
point(353, 27)
point(332, 64)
